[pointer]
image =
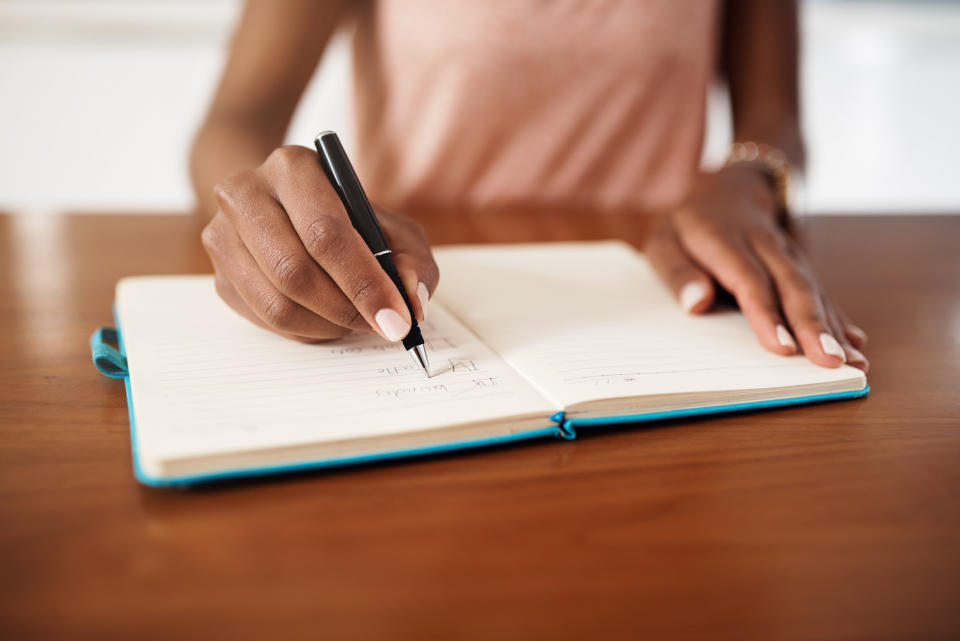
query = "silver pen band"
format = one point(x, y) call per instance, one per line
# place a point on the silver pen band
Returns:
point(385, 251)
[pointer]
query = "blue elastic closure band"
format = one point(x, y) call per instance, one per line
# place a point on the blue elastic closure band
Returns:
point(106, 357)
point(564, 431)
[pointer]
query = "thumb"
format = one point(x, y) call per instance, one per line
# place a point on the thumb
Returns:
point(692, 287)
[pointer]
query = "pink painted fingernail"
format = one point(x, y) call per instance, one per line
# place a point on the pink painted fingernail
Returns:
point(784, 338)
point(830, 346)
point(854, 355)
point(856, 331)
point(691, 294)
point(391, 324)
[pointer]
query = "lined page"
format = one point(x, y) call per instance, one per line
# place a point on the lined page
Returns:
point(204, 380)
point(590, 321)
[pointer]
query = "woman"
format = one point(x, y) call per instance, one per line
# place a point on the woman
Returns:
point(470, 105)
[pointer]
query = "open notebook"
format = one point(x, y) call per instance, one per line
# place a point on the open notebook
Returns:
point(525, 341)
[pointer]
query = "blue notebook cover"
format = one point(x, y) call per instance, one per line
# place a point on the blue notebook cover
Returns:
point(112, 362)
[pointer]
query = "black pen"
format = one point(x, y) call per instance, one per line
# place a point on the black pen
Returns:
point(344, 179)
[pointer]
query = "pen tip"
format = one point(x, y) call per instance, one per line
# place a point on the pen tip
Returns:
point(419, 354)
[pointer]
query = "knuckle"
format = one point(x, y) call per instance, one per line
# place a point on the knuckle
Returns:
point(277, 311)
point(799, 283)
point(291, 272)
point(232, 191)
point(363, 289)
point(210, 238)
point(286, 158)
point(224, 189)
point(757, 290)
point(796, 286)
point(811, 320)
point(746, 277)
point(324, 236)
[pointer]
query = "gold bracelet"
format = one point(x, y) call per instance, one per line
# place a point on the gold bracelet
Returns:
point(769, 160)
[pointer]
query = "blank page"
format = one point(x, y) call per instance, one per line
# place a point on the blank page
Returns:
point(205, 381)
point(590, 321)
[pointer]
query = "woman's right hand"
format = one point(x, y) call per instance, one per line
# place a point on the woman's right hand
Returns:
point(287, 258)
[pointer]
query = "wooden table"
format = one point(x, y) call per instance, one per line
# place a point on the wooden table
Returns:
point(834, 521)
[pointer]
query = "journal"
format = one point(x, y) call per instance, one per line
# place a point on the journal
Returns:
point(525, 341)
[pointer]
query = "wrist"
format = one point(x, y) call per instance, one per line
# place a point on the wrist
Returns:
point(773, 165)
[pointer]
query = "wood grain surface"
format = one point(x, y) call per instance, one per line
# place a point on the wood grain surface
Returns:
point(834, 521)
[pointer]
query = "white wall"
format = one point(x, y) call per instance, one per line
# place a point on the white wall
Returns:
point(881, 83)
point(99, 100)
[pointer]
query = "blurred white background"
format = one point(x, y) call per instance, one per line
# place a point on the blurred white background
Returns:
point(99, 100)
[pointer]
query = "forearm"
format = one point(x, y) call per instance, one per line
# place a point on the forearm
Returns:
point(273, 56)
point(760, 53)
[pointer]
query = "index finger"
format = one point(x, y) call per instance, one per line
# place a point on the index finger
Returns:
point(318, 216)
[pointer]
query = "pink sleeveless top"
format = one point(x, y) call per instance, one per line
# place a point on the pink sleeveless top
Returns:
point(595, 104)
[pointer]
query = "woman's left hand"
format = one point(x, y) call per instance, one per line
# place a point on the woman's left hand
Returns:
point(727, 233)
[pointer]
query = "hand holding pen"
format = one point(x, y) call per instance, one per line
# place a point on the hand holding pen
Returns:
point(287, 257)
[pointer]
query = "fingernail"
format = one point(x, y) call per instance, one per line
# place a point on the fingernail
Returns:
point(691, 294)
point(856, 331)
point(391, 324)
point(785, 339)
point(854, 355)
point(424, 297)
point(831, 346)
